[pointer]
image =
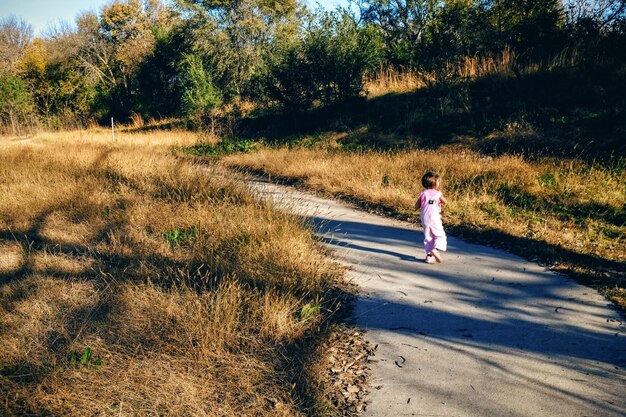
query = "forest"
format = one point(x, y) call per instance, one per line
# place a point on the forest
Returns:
point(212, 62)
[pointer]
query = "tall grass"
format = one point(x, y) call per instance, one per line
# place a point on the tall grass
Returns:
point(560, 211)
point(102, 312)
point(468, 67)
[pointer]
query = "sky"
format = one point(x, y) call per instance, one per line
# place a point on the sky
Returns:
point(42, 14)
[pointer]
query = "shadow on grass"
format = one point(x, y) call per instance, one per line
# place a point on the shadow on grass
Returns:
point(563, 112)
point(200, 273)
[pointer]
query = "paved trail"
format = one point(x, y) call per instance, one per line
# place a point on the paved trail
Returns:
point(484, 334)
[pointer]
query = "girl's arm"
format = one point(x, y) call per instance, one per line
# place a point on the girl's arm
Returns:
point(443, 200)
point(418, 203)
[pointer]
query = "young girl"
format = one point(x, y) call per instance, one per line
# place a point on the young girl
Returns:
point(430, 201)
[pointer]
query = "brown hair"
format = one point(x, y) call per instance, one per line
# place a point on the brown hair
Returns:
point(429, 179)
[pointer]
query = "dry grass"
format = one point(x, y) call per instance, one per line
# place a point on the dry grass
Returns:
point(506, 62)
point(186, 290)
point(560, 211)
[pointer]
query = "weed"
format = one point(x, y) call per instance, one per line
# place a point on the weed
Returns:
point(547, 180)
point(309, 310)
point(385, 181)
point(84, 359)
point(307, 142)
point(180, 236)
point(491, 208)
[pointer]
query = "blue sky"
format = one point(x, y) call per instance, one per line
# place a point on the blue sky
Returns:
point(43, 13)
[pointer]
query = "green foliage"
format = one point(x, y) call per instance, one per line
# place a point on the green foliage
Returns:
point(191, 56)
point(180, 236)
point(528, 24)
point(309, 310)
point(199, 95)
point(226, 146)
point(547, 180)
point(158, 78)
point(456, 30)
point(85, 359)
point(329, 64)
point(428, 33)
point(235, 37)
point(16, 104)
point(341, 53)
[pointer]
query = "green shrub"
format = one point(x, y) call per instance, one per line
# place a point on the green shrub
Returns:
point(180, 236)
point(224, 147)
point(16, 104)
point(199, 95)
point(328, 65)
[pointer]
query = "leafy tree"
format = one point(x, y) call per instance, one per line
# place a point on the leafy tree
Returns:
point(341, 53)
point(288, 79)
point(234, 36)
point(199, 95)
point(159, 77)
point(528, 23)
point(113, 47)
point(62, 88)
point(458, 28)
point(403, 23)
point(16, 106)
point(329, 64)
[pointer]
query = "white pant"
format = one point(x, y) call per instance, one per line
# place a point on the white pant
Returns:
point(434, 236)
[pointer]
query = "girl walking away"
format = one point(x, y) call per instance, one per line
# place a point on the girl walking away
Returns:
point(429, 202)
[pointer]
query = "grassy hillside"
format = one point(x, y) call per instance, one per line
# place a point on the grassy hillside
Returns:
point(533, 156)
point(133, 282)
point(565, 111)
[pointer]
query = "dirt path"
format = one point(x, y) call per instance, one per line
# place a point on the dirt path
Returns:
point(485, 333)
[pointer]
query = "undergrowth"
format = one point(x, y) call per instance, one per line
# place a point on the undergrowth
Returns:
point(133, 282)
point(223, 147)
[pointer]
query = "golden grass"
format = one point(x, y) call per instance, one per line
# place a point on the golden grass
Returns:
point(200, 325)
point(506, 62)
point(556, 210)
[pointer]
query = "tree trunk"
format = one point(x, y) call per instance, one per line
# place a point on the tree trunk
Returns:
point(12, 122)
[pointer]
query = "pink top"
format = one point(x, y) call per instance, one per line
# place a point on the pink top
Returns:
point(430, 203)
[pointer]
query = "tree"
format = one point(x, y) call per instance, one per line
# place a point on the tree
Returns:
point(159, 77)
point(113, 47)
point(329, 64)
point(199, 95)
point(15, 36)
point(598, 13)
point(403, 23)
point(16, 107)
point(528, 23)
point(234, 35)
point(458, 28)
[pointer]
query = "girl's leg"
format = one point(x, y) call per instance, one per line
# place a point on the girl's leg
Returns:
point(429, 240)
point(440, 241)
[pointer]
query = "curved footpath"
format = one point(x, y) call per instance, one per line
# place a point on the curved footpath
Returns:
point(485, 333)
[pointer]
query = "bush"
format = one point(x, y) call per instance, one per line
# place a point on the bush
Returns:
point(16, 105)
point(199, 95)
point(328, 65)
